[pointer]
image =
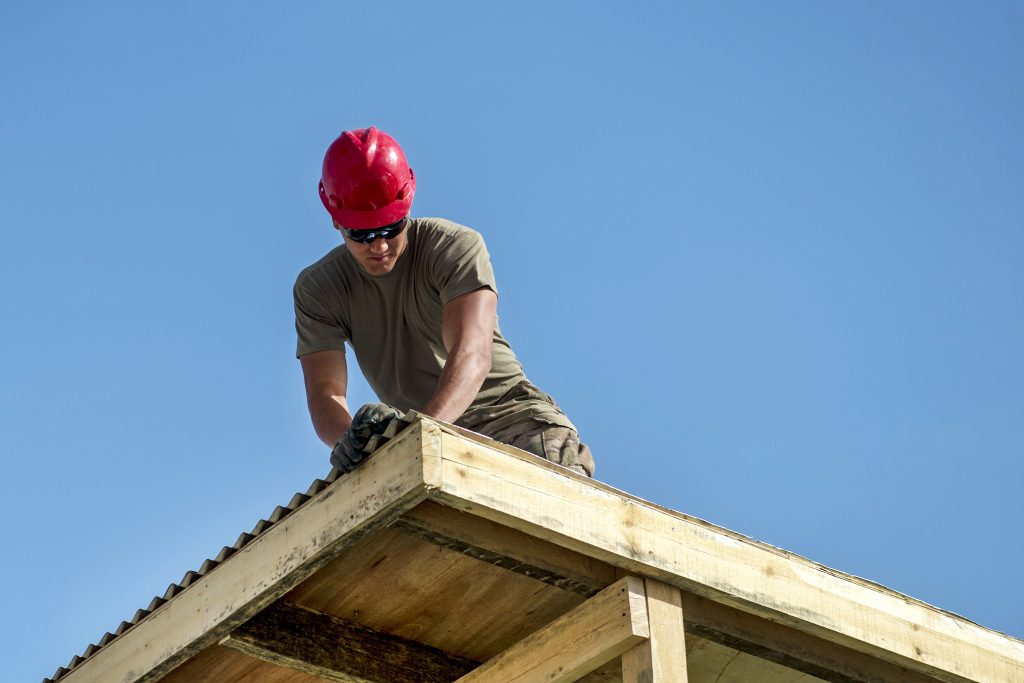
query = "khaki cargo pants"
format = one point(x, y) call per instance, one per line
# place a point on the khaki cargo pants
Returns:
point(527, 418)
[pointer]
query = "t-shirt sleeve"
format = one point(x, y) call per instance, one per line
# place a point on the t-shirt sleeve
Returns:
point(318, 329)
point(463, 265)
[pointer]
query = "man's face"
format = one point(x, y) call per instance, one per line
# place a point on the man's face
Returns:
point(379, 256)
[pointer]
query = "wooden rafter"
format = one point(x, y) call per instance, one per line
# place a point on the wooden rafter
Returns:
point(340, 650)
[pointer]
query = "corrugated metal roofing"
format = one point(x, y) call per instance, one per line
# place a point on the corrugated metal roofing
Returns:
point(191, 576)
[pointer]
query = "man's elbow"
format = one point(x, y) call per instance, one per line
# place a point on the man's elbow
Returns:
point(481, 361)
point(472, 359)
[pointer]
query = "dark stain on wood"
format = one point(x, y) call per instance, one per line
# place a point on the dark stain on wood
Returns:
point(340, 650)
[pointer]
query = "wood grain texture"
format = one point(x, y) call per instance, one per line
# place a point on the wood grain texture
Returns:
point(662, 659)
point(340, 650)
point(668, 642)
point(767, 640)
point(608, 624)
point(638, 664)
point(405, 586)
point(591, 518)
point(507, 548)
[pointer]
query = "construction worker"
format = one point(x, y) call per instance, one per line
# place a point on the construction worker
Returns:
point(416, 300)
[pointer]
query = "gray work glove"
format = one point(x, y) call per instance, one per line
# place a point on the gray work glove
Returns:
point(372, 418)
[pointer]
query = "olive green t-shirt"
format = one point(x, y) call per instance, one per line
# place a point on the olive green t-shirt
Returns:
point(393, 321)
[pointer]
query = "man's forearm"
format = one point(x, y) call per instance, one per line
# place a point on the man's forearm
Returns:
point(463, 375)
point(331, 419)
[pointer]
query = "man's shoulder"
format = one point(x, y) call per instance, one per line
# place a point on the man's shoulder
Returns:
point(441, 233)
point(333, 262)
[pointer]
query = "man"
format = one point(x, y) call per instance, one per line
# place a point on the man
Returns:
point(416, 300)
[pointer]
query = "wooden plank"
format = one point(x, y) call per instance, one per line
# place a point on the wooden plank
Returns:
point(594, 519)
point(341, 650)
point(402, 585)
point(788, 647)
point(371, 497)
point(608, 624)
point(665, 611)
point(638, 665)
point(662, 659)
point(507, 548)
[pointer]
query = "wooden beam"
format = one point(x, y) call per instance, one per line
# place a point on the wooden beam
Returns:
point(608, 624)
point(789, 647)
point(340, 650)
point(591, 518)
point(662, 659)
point(357, 504)
point(508, 548)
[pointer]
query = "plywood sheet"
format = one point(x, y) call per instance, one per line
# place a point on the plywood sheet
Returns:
point(399, 584)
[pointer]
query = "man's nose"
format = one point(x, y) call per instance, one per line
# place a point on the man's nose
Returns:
point(379, 246)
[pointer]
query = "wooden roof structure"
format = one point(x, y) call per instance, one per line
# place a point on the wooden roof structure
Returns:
point(449, 557)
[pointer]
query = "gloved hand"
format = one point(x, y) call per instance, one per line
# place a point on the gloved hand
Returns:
point(372, 418)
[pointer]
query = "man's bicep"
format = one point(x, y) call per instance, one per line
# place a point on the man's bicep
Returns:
point(468, 320)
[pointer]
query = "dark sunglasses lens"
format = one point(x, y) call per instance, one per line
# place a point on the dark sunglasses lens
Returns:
point(389, 231)
point(367, 236)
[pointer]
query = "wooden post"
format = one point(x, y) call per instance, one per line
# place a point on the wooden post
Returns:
point(661, 659)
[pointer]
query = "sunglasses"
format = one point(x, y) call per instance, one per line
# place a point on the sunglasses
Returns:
point(367, 236)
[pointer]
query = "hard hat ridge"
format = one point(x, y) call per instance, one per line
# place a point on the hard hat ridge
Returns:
point(366, 181)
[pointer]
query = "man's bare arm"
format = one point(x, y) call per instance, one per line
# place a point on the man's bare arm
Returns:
point(326, 377)
point(467, 328)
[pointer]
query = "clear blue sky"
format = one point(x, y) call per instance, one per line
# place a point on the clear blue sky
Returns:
point(768, 256)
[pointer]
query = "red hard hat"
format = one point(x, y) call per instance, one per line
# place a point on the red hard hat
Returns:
point(366, 181)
